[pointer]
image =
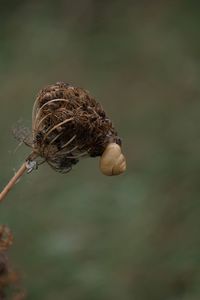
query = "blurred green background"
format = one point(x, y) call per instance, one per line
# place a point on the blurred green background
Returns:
point(84, 236)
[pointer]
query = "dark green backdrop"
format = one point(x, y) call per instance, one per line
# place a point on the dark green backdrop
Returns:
point(84, 236)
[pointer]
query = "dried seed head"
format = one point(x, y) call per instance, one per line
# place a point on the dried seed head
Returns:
point(69, 124)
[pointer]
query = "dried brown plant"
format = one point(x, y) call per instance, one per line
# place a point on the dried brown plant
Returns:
point(9, 279)
point(68, 124)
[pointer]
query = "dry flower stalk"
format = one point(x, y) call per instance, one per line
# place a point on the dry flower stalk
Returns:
point(68, 124)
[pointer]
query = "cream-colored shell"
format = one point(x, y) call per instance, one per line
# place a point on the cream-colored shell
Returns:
point(112, 161)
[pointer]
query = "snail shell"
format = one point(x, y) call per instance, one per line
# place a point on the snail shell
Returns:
point(112, 161)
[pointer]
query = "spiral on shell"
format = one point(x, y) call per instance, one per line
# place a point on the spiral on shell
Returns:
point(112, 162)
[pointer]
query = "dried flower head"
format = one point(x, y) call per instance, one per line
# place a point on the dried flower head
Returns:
point(69, 124)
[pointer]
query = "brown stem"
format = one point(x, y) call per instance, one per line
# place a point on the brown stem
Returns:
point(16, 177)
point(12, 182)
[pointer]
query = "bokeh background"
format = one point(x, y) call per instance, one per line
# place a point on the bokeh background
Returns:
point(84, 236)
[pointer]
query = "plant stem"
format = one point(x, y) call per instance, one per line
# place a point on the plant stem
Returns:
point(16, 177)
point(12, 182)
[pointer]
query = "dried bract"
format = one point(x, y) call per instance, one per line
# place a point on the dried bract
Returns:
point(22, 134)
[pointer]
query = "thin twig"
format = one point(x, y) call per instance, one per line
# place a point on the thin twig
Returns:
point(16, 177)
point(12, 182)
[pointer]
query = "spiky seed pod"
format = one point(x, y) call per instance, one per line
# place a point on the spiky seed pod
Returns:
point(69, 124)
